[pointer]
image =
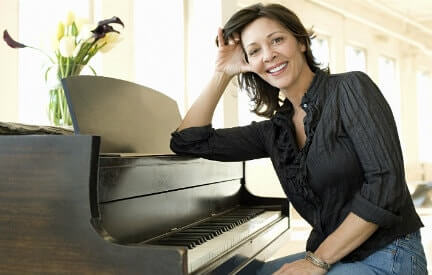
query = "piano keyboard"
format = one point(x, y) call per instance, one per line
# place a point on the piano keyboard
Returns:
point(214, 237)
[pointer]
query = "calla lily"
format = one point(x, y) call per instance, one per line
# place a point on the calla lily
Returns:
point(67, 46)
point(17, 45)
point(103, 27)
point(12, 43)
point(109, 41)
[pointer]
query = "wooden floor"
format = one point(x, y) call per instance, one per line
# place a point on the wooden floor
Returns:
point(300, 231)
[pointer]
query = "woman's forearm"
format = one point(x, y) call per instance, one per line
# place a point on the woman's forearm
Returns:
point(348, 236)
point(201, 111)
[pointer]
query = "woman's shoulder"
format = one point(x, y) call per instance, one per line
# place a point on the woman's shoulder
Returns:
point(352, 83)
point(348, 77)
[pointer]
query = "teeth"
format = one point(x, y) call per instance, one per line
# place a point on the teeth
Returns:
point(278, 68)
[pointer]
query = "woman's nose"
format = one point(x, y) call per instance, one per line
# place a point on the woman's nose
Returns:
point(269, 55)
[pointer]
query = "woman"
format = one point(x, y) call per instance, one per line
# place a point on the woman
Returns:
point(332, 141)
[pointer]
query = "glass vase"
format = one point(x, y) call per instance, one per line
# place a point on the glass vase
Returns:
point(58, 110)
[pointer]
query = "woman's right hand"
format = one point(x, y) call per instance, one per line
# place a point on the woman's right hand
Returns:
point(230, 57)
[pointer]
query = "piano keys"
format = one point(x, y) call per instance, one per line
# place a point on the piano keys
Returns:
point(68, 208)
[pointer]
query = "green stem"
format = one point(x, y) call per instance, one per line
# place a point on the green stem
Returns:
point(60, 101)
point(67, 73)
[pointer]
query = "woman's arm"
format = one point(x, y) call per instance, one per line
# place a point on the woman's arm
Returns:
point(201, 112)
point(348, 236)
point(229, 62)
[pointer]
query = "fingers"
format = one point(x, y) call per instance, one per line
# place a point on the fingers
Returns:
point(232, 40)
point(236, 37)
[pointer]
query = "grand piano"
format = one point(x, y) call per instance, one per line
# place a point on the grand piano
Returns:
point(67, 207)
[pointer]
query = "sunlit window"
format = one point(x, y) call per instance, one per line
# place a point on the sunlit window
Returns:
point(424, 99)
point(321, 51)
point(390, 88)
point(37, 30)
point(355, 59)
point(159, 47)
point(204, 18)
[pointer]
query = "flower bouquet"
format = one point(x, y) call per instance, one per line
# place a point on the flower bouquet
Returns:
point(75, 44)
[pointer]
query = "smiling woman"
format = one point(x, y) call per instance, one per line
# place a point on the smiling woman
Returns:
point(332, 140)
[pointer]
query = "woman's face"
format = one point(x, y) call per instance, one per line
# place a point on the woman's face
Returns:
point(273, 52)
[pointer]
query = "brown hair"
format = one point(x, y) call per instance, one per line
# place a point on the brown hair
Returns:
point(266, 97)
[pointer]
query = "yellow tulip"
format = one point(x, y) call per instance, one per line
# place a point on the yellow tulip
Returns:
point(70, 18)
point(60, 31)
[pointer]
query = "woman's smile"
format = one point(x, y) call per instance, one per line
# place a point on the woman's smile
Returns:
point(277, 69)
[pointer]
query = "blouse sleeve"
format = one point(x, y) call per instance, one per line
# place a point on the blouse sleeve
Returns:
point(227, 144)
point(369, 123)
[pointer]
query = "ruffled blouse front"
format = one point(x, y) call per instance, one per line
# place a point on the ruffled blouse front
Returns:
point(291, 157)
point(351, 160)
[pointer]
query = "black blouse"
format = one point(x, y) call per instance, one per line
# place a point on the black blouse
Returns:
point(351, 161)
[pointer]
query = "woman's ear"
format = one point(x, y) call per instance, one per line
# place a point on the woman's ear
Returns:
point(302, 47)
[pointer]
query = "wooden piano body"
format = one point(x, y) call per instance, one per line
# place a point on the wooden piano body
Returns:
point(65, 209)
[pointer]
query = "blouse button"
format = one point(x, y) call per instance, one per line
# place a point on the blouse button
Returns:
point(305, 105)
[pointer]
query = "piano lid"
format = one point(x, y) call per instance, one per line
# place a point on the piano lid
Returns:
point(130, 118)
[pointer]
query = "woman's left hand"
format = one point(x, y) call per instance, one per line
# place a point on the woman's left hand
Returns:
point(300, 267)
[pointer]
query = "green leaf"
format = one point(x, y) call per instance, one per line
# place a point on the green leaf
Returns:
point(74, 30)
point(46, 73)
point(93, 70)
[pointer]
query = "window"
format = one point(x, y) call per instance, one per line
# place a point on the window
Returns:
point(37, 31)
point(159, 47)
point(355, 59)
point(204, 19)
point(321, 51)
point(424, 99)
point(389, 88)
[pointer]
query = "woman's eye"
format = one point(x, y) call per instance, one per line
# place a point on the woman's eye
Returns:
point(253, 52)
point(277, 40)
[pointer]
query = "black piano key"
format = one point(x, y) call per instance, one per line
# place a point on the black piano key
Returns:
point(196, 239)
point(203, 237)
point(203, 231)
point(175, 243)
point(209, 229)
point(209, 234)
point(230, 225)
point(193, 241)
point(217, 230)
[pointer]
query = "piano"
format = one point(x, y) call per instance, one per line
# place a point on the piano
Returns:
point(65, 208)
